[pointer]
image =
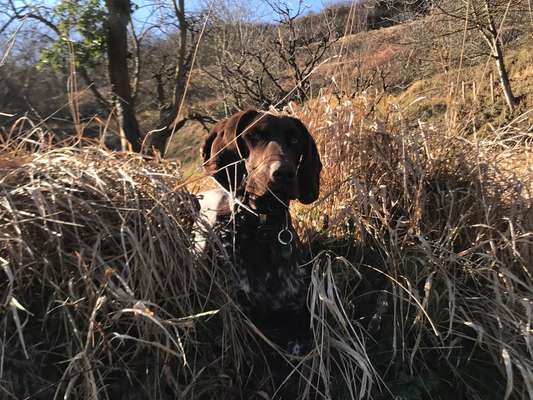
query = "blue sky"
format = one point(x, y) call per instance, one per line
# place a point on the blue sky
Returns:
point(259, 8)
point(263, 11)
point(310, 5)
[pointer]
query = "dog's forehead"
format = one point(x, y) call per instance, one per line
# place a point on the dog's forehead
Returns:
point(276, 123)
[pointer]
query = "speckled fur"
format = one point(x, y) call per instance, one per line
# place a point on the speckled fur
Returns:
point(270, 289)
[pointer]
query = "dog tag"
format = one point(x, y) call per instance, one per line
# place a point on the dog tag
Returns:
point(285, 237)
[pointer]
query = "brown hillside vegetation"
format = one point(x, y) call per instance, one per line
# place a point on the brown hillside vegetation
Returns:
point(420, 244)
point(425, 226)
point(429, 86)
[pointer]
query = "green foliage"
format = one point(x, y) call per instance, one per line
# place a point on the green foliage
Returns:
point(82, 34)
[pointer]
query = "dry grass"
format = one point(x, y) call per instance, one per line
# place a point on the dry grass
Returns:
point(97, 267)
point(421, 283)
point(421, 280)
point(103, 295)
point(451, 219)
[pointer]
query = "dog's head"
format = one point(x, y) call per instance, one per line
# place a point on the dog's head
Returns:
point(276, 154)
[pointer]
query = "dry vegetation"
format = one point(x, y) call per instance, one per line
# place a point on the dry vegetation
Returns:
point(451, 220)
point(421, 287)
point(421, 247)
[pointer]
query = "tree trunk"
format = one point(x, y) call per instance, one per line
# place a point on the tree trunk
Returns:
point(169, 122)
point(117, 52)
point(504, 76)
point(492, 37)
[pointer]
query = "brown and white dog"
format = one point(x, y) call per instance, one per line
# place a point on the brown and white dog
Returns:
point(261, 163)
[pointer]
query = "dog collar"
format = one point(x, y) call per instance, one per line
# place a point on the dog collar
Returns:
point(268, 228)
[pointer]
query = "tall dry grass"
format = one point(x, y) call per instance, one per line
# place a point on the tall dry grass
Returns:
point(421, 281)
point(100, 290)
point(103, 295)
point(446, 220)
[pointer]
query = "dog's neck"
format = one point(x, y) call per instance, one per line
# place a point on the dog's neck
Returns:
point(269, 207)
point(266, 231)
point(269, 204)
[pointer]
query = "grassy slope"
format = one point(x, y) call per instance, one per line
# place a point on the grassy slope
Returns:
point(409, 77)
point(425, 224)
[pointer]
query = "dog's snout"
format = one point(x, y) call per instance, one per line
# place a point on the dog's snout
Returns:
point(281, 172)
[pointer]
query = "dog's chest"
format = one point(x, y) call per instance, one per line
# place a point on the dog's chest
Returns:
point(267, 273)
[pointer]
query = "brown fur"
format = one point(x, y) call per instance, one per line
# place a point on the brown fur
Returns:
point(265, 161)
point(263, 154)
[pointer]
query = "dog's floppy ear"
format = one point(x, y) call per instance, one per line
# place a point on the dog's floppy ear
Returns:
point(223, 150)
point(308, 174)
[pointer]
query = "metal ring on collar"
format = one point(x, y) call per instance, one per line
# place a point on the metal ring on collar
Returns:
point(288, 238)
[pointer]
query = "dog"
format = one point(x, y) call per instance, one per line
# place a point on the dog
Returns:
point(261, 162)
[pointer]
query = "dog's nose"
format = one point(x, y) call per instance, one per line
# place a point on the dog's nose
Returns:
point(281, 172)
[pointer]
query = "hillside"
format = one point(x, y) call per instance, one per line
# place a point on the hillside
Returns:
point(418, 251)
point(409, 74)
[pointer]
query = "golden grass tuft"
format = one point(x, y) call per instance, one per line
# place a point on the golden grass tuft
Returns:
point(97, 265)
point(104, 296)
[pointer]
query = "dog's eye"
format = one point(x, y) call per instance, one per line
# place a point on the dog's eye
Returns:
point(293, 140)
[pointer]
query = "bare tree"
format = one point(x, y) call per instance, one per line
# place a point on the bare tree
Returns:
point(490, 19)
point(124, 50)
point(169, 116)
point(262, 64)
point(180, 63)
point(117, 54)
point(301, 44)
